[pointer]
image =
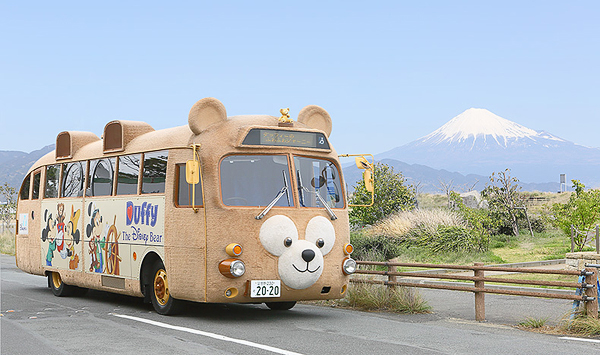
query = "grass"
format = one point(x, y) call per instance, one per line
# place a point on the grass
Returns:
point(399, 225)
point(412, 254)
point(370, 297)
point(583, 326)
point(7, 243)
point(543, 246)
point(533, 323)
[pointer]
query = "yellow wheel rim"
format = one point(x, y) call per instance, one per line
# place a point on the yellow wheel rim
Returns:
point(161, 287)
point(56, 280)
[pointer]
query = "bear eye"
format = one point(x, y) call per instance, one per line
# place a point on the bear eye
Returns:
point(320, 242)
point(288, 242)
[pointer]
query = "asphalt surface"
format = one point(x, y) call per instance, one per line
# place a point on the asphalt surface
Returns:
point(34, 321)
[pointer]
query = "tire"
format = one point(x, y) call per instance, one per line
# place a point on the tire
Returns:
point(280, 306)
point(161, 298)
point(59, 288)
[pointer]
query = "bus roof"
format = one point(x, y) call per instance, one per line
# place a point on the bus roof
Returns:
point(128, 137)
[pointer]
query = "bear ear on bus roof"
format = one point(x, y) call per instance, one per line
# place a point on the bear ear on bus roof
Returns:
point(205, 113)
point(315, 117)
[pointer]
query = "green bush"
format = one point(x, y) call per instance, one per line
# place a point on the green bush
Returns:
point(374, 248)
point(391, 195)
point(582, 211)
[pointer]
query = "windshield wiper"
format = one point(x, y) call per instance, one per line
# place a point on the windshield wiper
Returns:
point(329, 210)
point(302, 188)
point(284, 190)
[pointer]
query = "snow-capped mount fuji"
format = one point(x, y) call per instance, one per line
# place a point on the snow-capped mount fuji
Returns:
point(480, 123)
point(480, 142)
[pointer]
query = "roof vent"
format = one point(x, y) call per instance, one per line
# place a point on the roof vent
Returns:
point(69, 142)
point(118, 133)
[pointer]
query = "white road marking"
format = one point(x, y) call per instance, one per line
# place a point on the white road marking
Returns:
point(580, 339)
point(207, 334)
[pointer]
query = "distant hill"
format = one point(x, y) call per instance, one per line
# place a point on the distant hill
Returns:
point(428, 179)
point(14, 165)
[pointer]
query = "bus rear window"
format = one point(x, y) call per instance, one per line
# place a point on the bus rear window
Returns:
point(24, 194)
point(155, 172)
point(35, 193)
point(255, 180)
point(52, 180)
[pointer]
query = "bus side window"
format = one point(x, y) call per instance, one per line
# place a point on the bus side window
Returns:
point(184, 190)
point(100, 177)
point(155, 172)
point(73, 178)
point(52, 181)
point(127, 176)
point(24, 193)
point(35, 193)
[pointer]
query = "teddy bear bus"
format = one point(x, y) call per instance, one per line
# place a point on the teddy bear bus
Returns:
point(244, 209)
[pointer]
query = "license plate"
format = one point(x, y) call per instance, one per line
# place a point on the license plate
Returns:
point(265, 288)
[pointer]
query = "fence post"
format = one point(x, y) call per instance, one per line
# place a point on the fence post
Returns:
point(391, 278)
point(479, 295)
point(591, 307)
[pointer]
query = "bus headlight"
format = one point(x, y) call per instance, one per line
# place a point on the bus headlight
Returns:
point(349, 266)
point(232, 268)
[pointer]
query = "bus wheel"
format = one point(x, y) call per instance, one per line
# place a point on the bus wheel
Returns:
point(281, 306)
point(59, 288)
point(162, 301)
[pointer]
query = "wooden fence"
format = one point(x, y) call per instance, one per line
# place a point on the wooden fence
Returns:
point(590, 296)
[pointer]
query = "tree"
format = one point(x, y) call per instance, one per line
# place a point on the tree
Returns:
point(447, 188)
point(392, 195)
point(582, 212)
point(504, 198)
point(9, 208)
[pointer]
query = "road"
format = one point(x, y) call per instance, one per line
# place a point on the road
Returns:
point(34, 321)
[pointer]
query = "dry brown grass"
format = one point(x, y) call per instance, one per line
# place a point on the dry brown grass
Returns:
point(400, 224)
point(7, 243)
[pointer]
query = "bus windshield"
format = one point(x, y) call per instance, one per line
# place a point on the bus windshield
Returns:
point(318, 182)
point(255, 180)
point(258, 180)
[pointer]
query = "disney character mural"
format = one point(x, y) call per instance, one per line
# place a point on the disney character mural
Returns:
point(103, 243)
point(49, 234)
point(74, 238)
point(61, 237)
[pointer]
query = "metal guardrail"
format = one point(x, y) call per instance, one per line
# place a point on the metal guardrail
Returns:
point(589, 296)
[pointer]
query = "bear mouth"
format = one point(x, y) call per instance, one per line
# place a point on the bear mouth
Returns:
point(305, 270)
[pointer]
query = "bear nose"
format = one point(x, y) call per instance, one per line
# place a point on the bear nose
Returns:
point(308, 255)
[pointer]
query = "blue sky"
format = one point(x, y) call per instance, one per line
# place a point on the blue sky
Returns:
point(388, 72)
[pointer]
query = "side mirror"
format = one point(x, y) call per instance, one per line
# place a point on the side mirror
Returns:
point(368, 174)
point(363, 163)
point(192, 172)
